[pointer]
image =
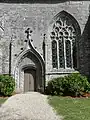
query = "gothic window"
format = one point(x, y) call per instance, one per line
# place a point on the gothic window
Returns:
point(63, 36)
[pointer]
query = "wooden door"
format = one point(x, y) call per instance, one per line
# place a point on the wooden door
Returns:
point(29, 80)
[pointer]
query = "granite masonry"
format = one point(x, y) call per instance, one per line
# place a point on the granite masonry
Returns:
point(44, 40)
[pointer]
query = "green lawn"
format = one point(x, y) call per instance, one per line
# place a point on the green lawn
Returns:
point(71, 108)
point(2, 100)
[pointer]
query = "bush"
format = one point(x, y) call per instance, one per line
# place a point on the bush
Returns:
point(73, 85)
point(55, 86)
point(77, 85)
point(7, 85)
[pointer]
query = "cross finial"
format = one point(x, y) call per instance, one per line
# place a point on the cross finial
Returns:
point(28, 32)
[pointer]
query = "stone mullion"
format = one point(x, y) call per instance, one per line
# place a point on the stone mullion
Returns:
point(64, 53)
point(58, 54)
point(71, 54)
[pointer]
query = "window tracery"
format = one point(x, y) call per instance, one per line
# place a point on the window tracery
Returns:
point(63, 36)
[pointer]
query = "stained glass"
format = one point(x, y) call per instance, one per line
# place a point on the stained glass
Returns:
point(54, 54)
point(61, 54)
point(68, 54)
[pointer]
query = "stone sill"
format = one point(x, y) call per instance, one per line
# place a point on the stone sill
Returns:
point(62, 71)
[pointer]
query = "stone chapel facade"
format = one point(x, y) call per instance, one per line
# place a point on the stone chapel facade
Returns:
point(41, 41)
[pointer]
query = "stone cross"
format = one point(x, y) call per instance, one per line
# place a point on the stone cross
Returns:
point(29, 33)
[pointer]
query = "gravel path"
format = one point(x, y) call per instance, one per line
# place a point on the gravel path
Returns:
point(28, 106)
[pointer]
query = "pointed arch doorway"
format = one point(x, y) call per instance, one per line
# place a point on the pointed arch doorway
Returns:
point(30, 72)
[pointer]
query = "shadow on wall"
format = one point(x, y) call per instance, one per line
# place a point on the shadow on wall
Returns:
point(84, 52)
point(37, 1)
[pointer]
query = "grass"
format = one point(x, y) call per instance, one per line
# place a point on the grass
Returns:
point(2, 100)
point(71, 108)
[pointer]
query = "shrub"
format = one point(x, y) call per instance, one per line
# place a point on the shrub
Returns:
point(55, 86)
point(76, 85)
point(7, 85)
point(73, 85)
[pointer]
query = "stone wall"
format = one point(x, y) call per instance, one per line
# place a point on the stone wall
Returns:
point(16, 18)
